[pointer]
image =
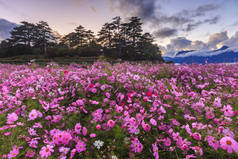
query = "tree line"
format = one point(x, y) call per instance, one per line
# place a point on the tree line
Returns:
point(116, 39)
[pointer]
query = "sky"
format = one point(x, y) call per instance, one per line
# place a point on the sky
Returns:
point(176, 24)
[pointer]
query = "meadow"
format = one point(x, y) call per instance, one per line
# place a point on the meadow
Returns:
point(119, 111)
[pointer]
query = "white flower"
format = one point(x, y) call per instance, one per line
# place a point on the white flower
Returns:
point(114, 157)
point(98, 144)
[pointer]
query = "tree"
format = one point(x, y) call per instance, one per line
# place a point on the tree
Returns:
point(44, 36)
point(23, 34)
point(106, 35)
point(134, 30)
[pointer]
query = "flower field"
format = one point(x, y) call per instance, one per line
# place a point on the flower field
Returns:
point(119, 111)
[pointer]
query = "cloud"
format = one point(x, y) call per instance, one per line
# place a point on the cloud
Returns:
point(5, 28)
point(217, 38)
point(150, 11)
point(193, 26)
point(165, 32)
point(215, 41)
point(233, 41)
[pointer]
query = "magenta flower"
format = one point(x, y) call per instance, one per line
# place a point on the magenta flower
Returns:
point(227, 111)
point(153, 122)
point(46, 151)
point(62, 137)
point(212, 142)
point(33, 115)
point(229, 144)
point(30, 153)
point(155, 151)
point(32, 132)
point(13, 153)
point(196, 136)
point(110, 123)
point(80, 146)
point(85, 131)
point(11, 118)
point(136, 146)
point(145, 126)
point(78, 128)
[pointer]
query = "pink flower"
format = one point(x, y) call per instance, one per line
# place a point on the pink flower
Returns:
point(33, 115)
point(11, 118)
point(7, 133)
point(212, 142)
point(146, 127)
point(110, 123)
point(136, 146)
point(78, 128)
point(98, 127)
point(227, 110)
point(153, 121)
point(62, 137)
point(81, 146)
point(46, 151)
point(93, 135)
point(196, 136)
point(155, 151)
point(84, 131)
point(198, 150)
point(30, 153)
point(13, 153)
point(32, 132)
point(64, 150)
point(167, 141)
point(210, 115)
point(229, 144)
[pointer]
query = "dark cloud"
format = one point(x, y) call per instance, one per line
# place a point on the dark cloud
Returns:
point(192, 26)
point(165, 32)
point(145, 9)
point(207, 7)
point(150, 13)
point(5, 28)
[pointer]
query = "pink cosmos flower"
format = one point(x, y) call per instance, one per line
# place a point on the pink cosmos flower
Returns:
point(62, 137)
point(98, 127)
point(7, 133)
point(227, 110)
point(198, 150)
point(32, 132)
point(85, 131)
point(11, 118)
point(229, 144)
point(145, 126)
point(46, 151)
point(81, 146)
point(33, 115)
point(110, 123)
point(13, 153)
point(196, 136)
point(212, 142)
point(77, 128)
point(30, 153)
point(64, 150)
point(93, 135)
point(136, 146)
point(153, 122)
point(155, 151)
point(167, 141)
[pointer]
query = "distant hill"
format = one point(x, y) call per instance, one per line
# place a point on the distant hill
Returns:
point(5, 28)
point(222, 55)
